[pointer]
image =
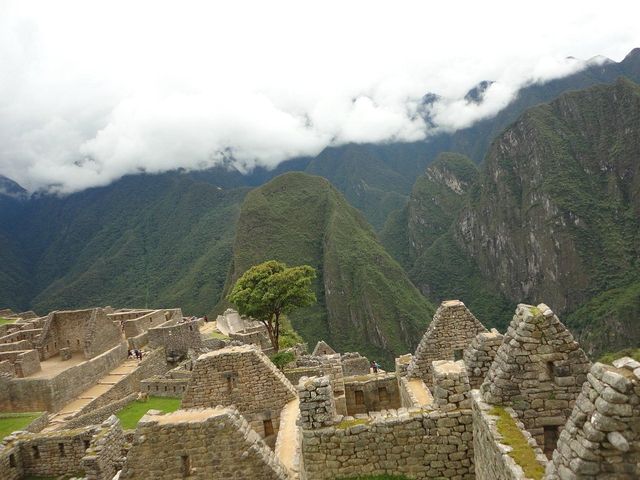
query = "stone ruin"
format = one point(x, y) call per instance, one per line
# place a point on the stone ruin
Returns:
point(326, 415)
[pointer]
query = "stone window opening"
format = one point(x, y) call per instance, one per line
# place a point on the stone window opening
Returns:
point(186, 465)
point(231, 381)
point(383, 395)
point(61, 449)
point(68, 343)
point(77, 341)
point(457, 354)
point(12, 460)
point(550, 371)
point(550, 440)
point(55, 344)
point(191, 328)
point(36, 452)
point(268, 427)
point(359, 397)
point(87, 444)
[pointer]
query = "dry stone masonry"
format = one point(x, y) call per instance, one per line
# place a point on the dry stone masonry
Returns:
point(538, 371)
point(451, 331)
point(241, 418)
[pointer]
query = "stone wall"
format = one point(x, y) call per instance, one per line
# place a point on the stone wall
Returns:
point(451, 331)
point(177, 339)
point(89, 332)
point(100, 414)
point(538, 371)
point(242, 376)
point(61, 453)
point(491, 456)
point(103, 458)
point(450, 385)
point(414, 443)
point(24, 362)
point(160, 386)
point(142, 323)
point(479, 356)
point(51, 394)
point(211, 444)
point(354, 364)
point(19, 345)
point(317, 405)
point(602, 437)
point(371, 392)
point(254, 336)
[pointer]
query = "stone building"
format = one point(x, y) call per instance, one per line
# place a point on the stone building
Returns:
point(538, 371)
point(242, 418)
point(242, 376)
point(451, 331)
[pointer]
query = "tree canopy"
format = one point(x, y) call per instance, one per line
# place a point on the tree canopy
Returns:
point(271, 289)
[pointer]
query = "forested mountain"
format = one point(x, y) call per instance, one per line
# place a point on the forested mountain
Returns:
point(553, 216)
point(365, 300)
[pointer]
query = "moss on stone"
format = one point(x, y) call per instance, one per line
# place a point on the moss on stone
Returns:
point(521, 451)
point(352, 423)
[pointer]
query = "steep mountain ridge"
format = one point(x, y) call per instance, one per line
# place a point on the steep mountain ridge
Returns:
point(365, 300)
point(553, 216)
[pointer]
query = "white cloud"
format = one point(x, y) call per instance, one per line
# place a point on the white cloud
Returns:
point(91, 91)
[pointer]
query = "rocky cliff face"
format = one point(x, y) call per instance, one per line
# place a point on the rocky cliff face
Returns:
point(555, 215)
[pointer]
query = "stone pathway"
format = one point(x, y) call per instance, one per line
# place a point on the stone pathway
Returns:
point(57, 420)
point(287, 446)
point(420, 391)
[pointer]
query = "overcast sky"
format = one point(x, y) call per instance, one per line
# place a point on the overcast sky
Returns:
point(90, 91)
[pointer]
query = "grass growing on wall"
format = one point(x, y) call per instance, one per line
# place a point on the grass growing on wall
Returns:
point(10, 422)
point(131, 414)
point(627, 352)
point(521, 451)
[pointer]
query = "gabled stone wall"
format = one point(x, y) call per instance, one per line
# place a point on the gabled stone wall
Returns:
point(451, 331)
point(602, 437)
point(179, 445)
point(479, 356)
point(538, 371)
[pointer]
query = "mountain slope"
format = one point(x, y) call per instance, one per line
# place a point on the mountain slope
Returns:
point(553, 216)
point(365, 301)
point(146, 240)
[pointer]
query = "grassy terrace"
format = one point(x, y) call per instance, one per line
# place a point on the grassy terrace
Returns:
point(10, 422)
point(377, 477)
point(6, 320)
point(131, 414)
point(521, 451)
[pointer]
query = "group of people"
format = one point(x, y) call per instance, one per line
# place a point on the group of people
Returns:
point(135, 353)
point(375, 366)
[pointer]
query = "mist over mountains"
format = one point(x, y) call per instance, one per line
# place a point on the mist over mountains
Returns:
point(180, 237)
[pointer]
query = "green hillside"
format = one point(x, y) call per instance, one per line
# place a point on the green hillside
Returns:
point(553, 216)
point(365, 301)
point(145, 241)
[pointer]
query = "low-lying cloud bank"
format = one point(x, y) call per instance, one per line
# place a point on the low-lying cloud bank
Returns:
point(88, 95)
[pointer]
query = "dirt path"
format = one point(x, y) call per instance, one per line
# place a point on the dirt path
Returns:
point(105, 384)
point(287, 447)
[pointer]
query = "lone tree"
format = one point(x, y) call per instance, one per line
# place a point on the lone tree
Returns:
point(268, 290)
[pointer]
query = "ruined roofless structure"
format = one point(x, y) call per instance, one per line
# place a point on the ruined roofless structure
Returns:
point(325, 417)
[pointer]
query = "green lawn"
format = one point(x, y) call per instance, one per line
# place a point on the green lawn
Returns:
point(131, 414)
point(10, 422)
point(6, 320)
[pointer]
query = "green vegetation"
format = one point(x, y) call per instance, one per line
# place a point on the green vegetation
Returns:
point(352, 423)
point(365, 302)
point(268, 291)
point(288, 336)
point(219, 335)
point(6, 320)
point(10, 422)
point(280, 359)
point(627, 352)
point(131, 414)
point(521, 451)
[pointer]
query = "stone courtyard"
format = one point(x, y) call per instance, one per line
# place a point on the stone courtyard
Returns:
point(467, 404)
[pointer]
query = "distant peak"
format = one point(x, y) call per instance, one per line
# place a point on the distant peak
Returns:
point(633, 55)
point(10, 188)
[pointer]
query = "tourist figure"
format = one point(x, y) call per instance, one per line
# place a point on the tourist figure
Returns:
point(374, 366)
point(129, 353)
point(139, 354)
point(206, 320)
point(377, 366)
